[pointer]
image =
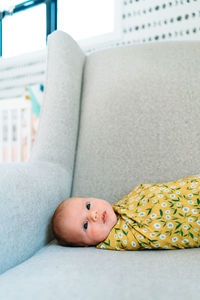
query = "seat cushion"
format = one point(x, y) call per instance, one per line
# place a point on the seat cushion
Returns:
point(61, 273)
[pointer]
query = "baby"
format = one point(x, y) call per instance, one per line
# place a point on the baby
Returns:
point(151, 216)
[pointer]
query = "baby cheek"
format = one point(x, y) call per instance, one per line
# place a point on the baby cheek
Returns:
point(99, 233)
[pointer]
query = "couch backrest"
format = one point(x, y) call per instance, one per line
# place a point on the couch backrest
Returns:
point(140, 118)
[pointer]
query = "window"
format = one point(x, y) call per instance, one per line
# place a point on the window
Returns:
point(88, 20)
point(83, 19)
point(24, 31)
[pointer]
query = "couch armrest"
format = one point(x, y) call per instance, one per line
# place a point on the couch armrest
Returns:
point(29, 194)
point(59, 120)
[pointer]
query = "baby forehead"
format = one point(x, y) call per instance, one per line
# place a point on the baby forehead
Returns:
point(73, 202)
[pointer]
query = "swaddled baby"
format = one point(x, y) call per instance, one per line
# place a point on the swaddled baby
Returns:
point(151, 216)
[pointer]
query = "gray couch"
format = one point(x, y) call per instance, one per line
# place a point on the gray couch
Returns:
point(110, 120)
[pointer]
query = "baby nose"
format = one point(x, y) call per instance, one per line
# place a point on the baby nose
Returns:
point(93, 215)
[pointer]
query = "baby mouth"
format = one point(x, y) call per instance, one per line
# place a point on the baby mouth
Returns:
point(104, 217)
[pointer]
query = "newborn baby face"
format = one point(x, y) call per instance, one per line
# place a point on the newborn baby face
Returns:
point(87, 221)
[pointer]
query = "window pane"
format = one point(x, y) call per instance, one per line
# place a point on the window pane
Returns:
point(24, 31)
point(84, 19)
point(6, 4)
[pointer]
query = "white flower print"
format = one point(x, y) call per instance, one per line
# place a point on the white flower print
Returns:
point(178, 192)
point(157, 225)
point(153, 188)
point(172, 187)
point(152, 234)
point(190, 219)
point(170, 225)
point(125, 226)
point(153, 216)
point(198, 222)
point(172, 196)
point(190, 195)
point(166, 190)
point(139, 209)
point(162, 237)
point(168, 217)
point(167, 211)
point(148, 248)
point(195, 239)
point(103, 247)
point(178, 204)
point(131, 206)
point(157, 245)
point(144, 230)
point(133, 244)
point(160, 196)
point(142, 214)
point(165, 247)
point(196, 229)
point(120, 235)
point(193, 185)
point(185, 241)
point(190, 202)
point(115, 236)
point(140, 237)
point(154, 201)
point(125, 242)
point(182, 183)
point(186, 209)
point(185, 226)
point(147, 220)
point(149, 195)
point(194, 191)
point(138, 198)
point(194, 211)
point(162, 188)
point(163, 204)
point(174, 239)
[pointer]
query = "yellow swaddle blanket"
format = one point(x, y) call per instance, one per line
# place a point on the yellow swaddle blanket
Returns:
point(157, 216)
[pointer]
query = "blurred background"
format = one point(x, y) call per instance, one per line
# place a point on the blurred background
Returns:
point(95, 25)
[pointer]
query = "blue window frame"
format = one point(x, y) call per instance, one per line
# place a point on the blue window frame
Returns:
point(51, 15)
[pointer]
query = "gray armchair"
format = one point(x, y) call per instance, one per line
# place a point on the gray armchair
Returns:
point(110, 120)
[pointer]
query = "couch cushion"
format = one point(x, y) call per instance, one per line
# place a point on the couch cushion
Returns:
point(139, 118)
point(58, 272)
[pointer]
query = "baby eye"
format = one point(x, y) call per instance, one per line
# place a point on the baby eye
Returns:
point(88, 205)
point(85, 226)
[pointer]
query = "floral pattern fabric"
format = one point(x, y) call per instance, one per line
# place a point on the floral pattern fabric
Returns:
point(157, 216)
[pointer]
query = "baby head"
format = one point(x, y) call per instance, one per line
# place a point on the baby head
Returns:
point(80, 221)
